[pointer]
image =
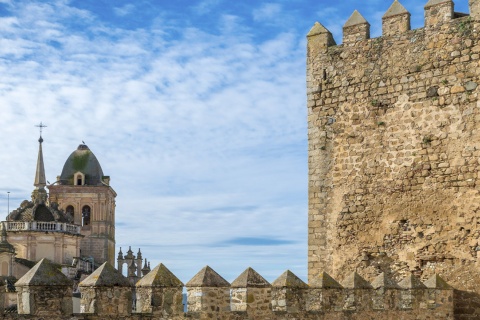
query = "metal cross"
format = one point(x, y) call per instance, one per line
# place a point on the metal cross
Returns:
point(41, 126)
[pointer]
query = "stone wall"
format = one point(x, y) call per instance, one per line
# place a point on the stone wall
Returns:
point(394, 147)
point(44, 292)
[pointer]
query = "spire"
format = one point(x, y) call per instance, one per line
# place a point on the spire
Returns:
point(39, 194)
point(40, 181)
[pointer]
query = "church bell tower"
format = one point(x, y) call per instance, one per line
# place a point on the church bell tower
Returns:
point(83, 192)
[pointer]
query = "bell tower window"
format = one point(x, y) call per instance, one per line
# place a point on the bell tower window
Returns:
point(85, 216)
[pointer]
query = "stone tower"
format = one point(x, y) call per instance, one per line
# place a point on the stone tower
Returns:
point(84, 193)
point(394, 152)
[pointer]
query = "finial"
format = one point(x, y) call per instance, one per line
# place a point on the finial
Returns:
point(41, 126)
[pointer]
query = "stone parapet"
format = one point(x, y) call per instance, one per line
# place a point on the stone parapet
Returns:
point(396, 20)
point(106, 294)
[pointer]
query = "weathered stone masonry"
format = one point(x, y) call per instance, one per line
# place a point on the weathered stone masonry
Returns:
point(106, 294)
point(394, 147)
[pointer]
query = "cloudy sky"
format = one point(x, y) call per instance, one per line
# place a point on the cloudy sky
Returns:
point(195, 108)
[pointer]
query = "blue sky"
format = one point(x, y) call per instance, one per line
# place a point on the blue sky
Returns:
point(196, 109)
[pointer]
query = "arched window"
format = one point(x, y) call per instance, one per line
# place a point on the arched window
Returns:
point(79, 179)
point(85, 216)
point(70, 210)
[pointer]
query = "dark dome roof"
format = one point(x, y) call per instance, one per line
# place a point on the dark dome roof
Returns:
point(82, 160)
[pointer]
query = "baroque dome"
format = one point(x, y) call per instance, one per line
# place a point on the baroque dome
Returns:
point(84, 161)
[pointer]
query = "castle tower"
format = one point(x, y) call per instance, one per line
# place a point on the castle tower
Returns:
point(393, 131)
point(84, 193)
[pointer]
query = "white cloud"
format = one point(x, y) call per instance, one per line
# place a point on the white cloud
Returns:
point(206, 6)
point(124, 10)
point(267, 12)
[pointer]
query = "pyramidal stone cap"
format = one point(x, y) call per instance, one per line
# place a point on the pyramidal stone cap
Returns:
point(385, 282)
point(105, 276)
point(355, 19)
point(289, 280)
point(395, 9)
point(355, 281)
point(435, 282)
point(160, 276)
point(250, 279)
point(325, 281)
point(317, 28)
point(411, 282)
point(207, 277)
point(44, 273)
point(431, 3)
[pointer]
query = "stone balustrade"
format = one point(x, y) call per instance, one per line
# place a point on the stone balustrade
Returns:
point(41, 226)
point(107, 294)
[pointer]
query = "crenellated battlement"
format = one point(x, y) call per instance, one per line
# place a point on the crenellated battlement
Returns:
point(396, 20)
point(106, 294)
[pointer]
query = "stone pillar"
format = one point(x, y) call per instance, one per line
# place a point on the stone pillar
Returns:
point(159, 293)
point(358, 293)
point(474, 6)
point(207, 291)
point(253, 294)
point(325, 294)
point(396, 20)
point(412, 293)
point(106, 292)
point(438, 12)
point(356, 29)
point(43, 291)
point(289, 293)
